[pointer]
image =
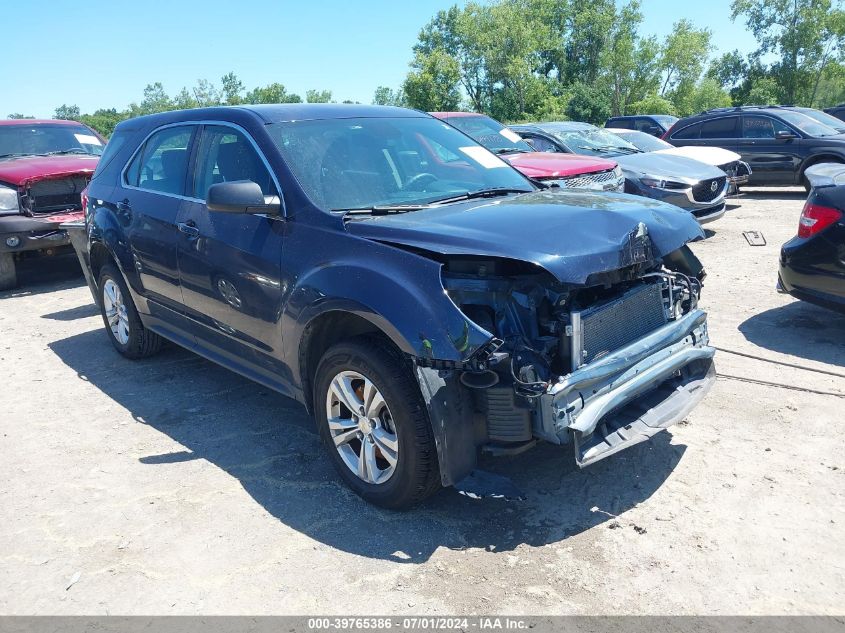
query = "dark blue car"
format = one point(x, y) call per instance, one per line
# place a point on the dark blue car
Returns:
point(418, 295)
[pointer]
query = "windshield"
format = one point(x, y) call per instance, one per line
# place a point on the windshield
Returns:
point(805, 124)
point(44, 139)
point(666, 120)
point(345, 164)
point(490, 133)
point(643, 141)
point(823, 117)
point(593, 141)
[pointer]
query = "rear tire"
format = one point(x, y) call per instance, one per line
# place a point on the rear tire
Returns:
point(8, 273)
point(123, 325)
point(374, 373)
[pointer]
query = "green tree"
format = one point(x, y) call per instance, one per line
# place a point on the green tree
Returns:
point(589, 103)
point(433, 83)
point(684, 55)
point(206, 94)
point(803, 36)
point(318, 96)
point(633, 62)
point(272, 93)
point(762, 91)
point(69, 112)
point(386, 96)
point(184, 100)
point(103, 120)
point(707, 94)
point(232, 89)
point(652, 103)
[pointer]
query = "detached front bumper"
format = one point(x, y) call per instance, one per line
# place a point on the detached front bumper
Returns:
point(631, 394)
point(20, 233)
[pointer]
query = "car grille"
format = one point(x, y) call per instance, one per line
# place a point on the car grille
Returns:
point(706, 192)
point(600, 180)
point(57, 194)
point(601, 329)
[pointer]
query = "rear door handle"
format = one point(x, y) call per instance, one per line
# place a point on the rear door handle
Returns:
point(189, 228)
point(124, 206)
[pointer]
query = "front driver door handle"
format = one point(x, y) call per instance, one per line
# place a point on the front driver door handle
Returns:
point(189, 228)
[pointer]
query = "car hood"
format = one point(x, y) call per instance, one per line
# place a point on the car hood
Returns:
point(667, 166)
point(711, 155)
point(26, 169)
point(571, 234)
point(554, 165)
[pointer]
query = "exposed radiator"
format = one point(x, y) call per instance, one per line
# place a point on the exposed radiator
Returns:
point(601, 329)
point(57, 194)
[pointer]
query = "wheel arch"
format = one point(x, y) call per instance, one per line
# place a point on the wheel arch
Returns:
point(815, 160)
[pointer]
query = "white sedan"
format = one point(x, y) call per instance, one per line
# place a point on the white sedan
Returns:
point(729, 162)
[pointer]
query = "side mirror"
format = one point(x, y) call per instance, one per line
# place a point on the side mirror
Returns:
point(784, 135)
point(240, 196)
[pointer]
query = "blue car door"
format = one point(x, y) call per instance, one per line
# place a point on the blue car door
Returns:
point(230, 264)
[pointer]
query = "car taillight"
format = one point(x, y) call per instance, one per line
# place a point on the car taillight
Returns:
point(816, 218)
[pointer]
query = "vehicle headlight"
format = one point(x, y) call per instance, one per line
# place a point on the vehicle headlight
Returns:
point(8, 201)
point(662, 183)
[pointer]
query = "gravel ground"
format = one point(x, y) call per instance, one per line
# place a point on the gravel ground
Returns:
point(172, 486)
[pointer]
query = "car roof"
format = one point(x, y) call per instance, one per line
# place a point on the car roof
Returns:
point(277, 113)
point(38, 122)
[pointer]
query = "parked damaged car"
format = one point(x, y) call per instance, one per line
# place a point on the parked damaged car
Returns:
point(812, 264)
point(738, 171)
point(44, 166)
point(566, 171)
point(422, 310)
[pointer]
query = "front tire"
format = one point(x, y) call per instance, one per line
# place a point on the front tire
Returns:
point(123, 325)
point(8, 274)
point(373, 421)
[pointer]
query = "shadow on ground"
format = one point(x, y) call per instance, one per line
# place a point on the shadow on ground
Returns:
point(773, 193)
point(268, 443)
point(38, 275)
point(800, 329)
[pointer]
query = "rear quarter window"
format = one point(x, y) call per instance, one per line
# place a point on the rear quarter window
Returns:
point(113, 147)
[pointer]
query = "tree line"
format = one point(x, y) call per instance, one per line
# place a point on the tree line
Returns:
point(585, 60)
point(204, 94)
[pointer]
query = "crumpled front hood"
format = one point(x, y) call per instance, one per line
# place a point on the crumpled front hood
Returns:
point(23, 170)
point(554, 165)
point(571, 234)
point(667, 166)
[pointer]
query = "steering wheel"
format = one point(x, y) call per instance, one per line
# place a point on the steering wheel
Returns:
point(416, 180)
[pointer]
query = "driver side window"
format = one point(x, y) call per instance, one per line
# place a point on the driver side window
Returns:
point(225, 155)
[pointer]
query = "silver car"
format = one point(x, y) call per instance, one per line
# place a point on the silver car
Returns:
point(684, 182)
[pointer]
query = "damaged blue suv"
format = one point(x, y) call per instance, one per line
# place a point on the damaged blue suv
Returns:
point(419, 296)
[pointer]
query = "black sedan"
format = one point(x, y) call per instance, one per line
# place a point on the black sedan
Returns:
point(812, 264)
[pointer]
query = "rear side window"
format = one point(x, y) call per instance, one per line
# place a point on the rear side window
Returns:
point(224, 155)
point(540, 144)
point(761, 127)
point(725, 127)
point(622, 123)
point(116, 142)
point(690, 131)
point(162, 164)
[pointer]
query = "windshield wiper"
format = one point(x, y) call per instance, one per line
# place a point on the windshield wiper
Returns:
point(14, 154)
point(481, 193)
point(382, 209)
point(610, 148)
point(72, 150)
point(510, 150)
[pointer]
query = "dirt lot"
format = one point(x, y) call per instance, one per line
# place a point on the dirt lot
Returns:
point(173, 486)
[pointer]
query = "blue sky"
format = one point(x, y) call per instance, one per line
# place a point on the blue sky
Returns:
point(101, 53)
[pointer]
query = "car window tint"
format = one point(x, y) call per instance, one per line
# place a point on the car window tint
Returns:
point(623, 123)
point(540, 144)
point(691, 131)
point(757, 127)
point(724, 127)
point(163, 165)
point(224, 155)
